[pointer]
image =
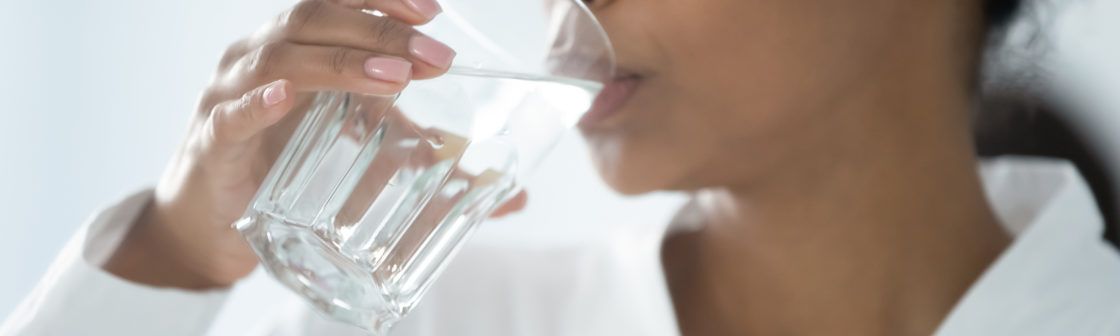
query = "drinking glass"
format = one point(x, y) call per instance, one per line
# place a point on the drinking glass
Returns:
point(373, 195)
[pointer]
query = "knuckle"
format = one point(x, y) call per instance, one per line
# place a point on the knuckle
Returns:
point(338, 60)
point(244, 107)
point(207, 101)
point(216, 127)
point(232, 53)
point(303, 13)
point(385, 31)
point(227, 118)
point(264, 61)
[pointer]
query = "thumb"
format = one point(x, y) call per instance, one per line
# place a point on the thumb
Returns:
point(517, 203)
point(235, 121)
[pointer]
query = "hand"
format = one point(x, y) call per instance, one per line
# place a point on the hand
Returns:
point(184, 237)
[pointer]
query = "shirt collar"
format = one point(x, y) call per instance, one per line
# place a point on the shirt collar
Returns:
point(1059, 277)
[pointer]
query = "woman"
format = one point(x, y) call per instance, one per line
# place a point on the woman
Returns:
point(826, 145)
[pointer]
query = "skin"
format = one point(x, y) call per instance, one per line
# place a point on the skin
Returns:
point(828, 148)
point(184, 237)
point(826, 144)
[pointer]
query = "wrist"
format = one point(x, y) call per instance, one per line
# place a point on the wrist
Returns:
point(150, 254)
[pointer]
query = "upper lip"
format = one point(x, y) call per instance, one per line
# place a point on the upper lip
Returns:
point(612, 98)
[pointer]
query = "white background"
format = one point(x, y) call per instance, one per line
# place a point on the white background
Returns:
point(95, 95)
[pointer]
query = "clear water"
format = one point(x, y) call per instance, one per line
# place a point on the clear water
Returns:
point(373, 195)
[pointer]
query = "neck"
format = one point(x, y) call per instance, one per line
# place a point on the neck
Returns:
point(878, 234)
point(885, 257)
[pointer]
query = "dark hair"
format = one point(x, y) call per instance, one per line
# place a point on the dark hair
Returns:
point(999, 12)
point(1017, 120)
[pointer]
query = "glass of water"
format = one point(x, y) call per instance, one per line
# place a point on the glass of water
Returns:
point(373, 195)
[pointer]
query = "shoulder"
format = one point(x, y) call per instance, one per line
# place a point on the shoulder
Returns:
point(1059, 276)
point(1021, 189)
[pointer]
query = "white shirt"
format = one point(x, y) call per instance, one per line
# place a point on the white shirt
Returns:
point(1058, 278)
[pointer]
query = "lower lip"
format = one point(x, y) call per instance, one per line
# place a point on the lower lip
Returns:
point(610, 100)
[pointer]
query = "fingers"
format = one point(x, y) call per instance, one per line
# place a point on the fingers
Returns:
point(330, 24)
point(315, 68)
point(236, 121)
point(412, 12)
point(515, 204)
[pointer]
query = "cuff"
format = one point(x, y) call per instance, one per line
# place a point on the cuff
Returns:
point(77, 297)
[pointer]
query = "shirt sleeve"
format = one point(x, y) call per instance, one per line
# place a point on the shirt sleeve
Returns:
point(77, 297)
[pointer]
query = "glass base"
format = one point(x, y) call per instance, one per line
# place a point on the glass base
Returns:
point(307, 264)
point(373, 195)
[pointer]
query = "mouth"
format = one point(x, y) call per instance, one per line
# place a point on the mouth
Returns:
point(611, 100)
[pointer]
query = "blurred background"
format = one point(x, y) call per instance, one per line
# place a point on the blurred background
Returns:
point(96, 95)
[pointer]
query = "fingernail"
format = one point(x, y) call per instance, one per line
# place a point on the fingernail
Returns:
point(274, 94)
point(431, 51)
point(388, 69)
point(426, 8)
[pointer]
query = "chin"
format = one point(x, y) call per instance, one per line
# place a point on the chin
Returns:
point(630, 171)
point(625, 183)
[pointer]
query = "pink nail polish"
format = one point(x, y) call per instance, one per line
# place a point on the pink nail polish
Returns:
point(388, 69)
point(274, 94)
point(426, 8)
point(431, 51)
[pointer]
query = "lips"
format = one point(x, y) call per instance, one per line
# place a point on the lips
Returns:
point(611, 99)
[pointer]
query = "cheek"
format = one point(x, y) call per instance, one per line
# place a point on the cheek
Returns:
point(742, 79)
point(735, 81)
point(775, 59)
